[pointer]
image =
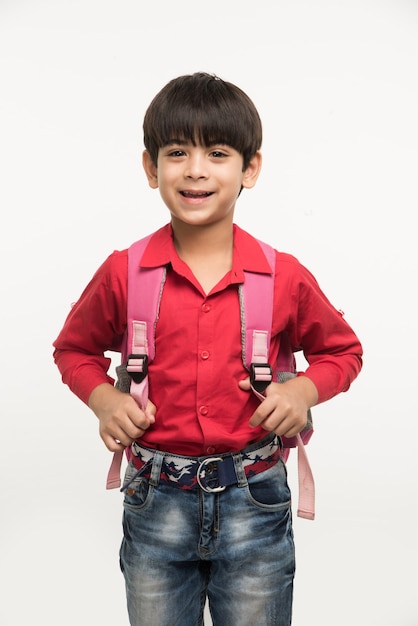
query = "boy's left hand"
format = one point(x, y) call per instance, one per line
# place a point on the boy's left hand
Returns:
point(285, 408)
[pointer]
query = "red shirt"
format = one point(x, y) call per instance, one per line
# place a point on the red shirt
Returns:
point(193, 380)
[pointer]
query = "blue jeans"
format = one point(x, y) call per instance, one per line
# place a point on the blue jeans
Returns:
point(234, 548)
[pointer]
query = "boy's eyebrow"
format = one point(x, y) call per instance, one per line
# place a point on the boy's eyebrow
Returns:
point(186, 142)
point(179, 142)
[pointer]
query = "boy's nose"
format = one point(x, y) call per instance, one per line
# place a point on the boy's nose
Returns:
point(196, 167)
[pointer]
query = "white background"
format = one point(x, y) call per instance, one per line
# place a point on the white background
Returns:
point(336, 84)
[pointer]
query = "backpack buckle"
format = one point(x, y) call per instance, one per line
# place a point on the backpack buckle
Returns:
point(261, 376)
point(137, 367)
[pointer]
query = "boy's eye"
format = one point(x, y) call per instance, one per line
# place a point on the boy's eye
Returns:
point(176, 153)
point(218, 154)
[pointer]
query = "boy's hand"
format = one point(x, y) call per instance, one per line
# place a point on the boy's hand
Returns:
point(121, 419)
point(284, 411)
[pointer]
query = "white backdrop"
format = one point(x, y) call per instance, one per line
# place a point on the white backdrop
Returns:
point(336, 84)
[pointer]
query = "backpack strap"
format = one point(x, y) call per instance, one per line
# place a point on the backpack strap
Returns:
point(259, 288)
point(145, 287)
point(139, 347)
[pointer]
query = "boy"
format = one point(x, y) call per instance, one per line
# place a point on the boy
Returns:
point(183, 543)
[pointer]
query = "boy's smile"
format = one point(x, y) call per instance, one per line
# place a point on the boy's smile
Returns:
point(196, 194)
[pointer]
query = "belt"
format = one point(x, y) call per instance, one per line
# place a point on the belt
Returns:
point(210, 473)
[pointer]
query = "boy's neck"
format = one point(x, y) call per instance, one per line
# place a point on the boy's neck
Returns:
point(203, 241)
point(207, 251)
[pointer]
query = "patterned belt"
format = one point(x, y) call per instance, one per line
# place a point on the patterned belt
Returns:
point(210, 473)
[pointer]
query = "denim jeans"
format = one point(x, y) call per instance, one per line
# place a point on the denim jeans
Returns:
point(234, 548)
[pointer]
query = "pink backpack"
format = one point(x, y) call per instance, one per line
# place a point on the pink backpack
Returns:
point(139, 349)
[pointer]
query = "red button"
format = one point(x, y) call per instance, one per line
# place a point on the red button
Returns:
point(203, 410)
point(206, 307)
point(210, 450)
point(204, 354)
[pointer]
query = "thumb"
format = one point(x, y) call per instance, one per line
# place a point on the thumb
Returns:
point(150, 411)
point(245, 384)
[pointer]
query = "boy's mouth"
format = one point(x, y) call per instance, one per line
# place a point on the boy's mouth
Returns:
point(196, 194)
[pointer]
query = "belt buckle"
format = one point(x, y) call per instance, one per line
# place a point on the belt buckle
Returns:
point(201, 475)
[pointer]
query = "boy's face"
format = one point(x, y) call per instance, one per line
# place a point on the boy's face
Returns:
point(200, 184)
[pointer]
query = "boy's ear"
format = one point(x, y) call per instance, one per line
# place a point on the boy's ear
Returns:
point(150, 169)
point(250, 175)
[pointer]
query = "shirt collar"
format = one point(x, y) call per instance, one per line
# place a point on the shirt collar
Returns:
point(248, 255)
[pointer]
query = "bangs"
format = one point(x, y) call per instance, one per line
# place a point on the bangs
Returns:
point(207, 126)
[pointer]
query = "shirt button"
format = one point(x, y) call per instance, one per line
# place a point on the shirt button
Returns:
point(206, 307)
point(203, 410)
point(204, 355)
point(210, 450)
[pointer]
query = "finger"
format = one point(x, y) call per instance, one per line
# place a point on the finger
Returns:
point(119, 434)
point(150, 409)
point(258, 419)
point(151, 418)
point(245, 384)
point(268, 415)
point(135, 418)
point(274, 424)
point(112, 444)
point(137, 428)
point(131, 431)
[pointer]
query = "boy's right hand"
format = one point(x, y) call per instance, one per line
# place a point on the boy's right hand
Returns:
point(121, 419)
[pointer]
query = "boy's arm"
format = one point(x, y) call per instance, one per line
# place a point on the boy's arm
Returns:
point(95, 324)
point(330, 346)
point(316, 328)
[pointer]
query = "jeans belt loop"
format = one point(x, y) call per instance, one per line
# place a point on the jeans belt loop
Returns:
point(157, 462)
point(239, 470)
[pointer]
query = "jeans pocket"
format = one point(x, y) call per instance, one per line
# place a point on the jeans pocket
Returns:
point(269, 489)
point(138, 492)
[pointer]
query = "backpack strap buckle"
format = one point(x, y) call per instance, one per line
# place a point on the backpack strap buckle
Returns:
point(137, 367)
point(261, 376)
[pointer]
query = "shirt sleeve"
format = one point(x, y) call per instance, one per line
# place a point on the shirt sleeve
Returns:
point(315, 327)
point(95, 325)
